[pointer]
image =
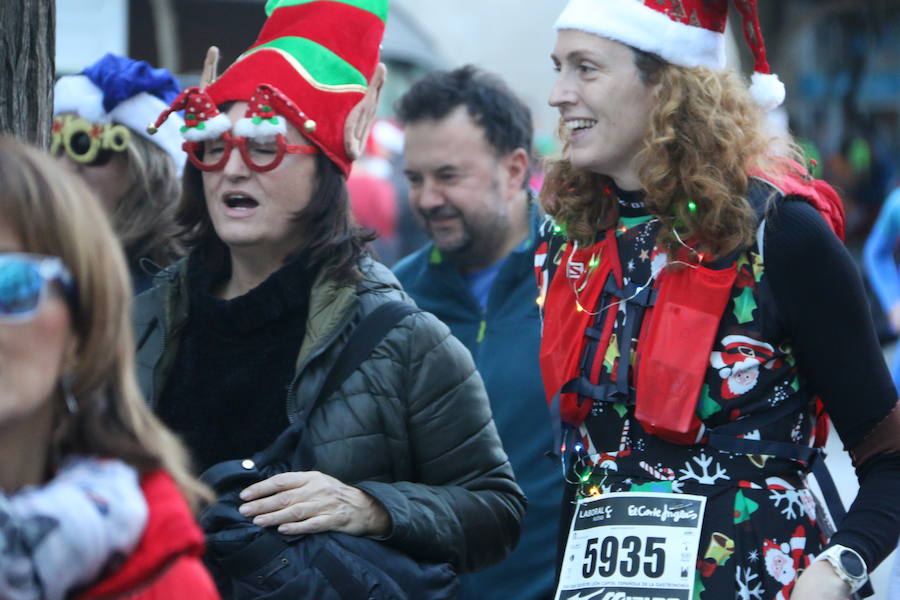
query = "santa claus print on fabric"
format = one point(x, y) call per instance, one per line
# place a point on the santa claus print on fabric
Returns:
point(739, 362)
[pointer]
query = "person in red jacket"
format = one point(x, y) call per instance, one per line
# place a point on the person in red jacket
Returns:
point(96, 497)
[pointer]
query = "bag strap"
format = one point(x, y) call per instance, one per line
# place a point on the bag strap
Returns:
point(724, 438)
point(367, 334)
point(362, 341)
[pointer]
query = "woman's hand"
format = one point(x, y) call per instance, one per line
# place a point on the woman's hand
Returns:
point(820, 582)
point(312, 502)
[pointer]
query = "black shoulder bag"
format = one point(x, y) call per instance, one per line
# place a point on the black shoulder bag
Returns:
point(248, 561)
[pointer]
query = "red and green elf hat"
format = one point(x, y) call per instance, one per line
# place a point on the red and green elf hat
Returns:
point(311, 64)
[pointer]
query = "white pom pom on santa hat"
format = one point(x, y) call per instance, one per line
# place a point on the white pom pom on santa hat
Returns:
point(767, 90)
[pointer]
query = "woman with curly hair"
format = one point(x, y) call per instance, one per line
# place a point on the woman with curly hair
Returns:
point(701, 318)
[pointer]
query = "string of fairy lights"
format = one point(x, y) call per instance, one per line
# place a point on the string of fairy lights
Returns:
point(584, 478)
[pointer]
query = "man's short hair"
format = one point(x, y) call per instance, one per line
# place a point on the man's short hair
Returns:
point(489, 101)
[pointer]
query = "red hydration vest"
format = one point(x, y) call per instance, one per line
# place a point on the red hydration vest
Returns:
point(678, 331)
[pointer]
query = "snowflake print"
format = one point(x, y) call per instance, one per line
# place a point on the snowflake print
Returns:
point(753, 556)
point(744, 580)
point(703, 476)
point(630, 266)
point(786, 493)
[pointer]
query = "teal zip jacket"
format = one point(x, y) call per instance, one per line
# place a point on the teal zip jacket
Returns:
point(504, 341)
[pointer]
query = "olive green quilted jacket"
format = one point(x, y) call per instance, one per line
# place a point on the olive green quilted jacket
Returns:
point(411, 426)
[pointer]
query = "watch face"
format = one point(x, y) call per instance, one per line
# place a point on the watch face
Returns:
point(852, 564)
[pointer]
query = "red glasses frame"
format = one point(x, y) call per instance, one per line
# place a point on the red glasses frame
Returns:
point(281, 145)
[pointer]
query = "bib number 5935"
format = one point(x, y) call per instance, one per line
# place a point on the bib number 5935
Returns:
point(628, 543)
point(605, 557)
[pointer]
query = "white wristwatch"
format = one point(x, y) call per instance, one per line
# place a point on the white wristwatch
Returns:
point(848, 565)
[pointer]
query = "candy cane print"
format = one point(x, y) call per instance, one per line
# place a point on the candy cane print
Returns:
point(624, 449)
point(664, 474)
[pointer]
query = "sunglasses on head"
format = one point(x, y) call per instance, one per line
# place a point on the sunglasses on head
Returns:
point(24, 283)
point(87, 143)
point(260, 156)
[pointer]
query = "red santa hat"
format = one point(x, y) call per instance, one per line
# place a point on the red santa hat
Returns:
point(311, 64)
point(688, 33)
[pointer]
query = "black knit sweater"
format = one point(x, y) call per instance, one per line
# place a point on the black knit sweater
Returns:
point(227, 390)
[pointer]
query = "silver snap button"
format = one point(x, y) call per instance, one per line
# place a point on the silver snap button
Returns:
point(248, 464)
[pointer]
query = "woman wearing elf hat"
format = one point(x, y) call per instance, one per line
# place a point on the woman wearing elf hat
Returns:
point(701, 317)
point(99, 131)
point(237, 338)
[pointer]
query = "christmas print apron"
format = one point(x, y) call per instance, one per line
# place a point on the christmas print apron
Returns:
point(761, 525)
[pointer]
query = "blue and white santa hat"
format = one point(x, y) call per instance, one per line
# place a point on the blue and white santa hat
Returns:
point(126, 91)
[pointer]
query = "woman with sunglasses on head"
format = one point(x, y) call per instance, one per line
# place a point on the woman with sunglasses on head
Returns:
point(100, 132)
point(700, 318)
point(237, 339)
point(93, 486)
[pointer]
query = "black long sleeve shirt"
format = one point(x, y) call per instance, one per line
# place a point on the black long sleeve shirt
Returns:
point(820, 296)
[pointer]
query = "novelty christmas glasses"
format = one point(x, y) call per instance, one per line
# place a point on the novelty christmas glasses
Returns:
point(85, 142)
point(24, 281)
point(212, 155)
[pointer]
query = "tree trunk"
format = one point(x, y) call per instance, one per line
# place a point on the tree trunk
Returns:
point(27, 53)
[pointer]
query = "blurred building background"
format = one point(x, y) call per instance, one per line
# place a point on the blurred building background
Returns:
point(841, 65)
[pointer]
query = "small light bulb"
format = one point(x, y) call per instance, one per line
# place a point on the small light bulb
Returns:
point(692, 206)
point(594, 491)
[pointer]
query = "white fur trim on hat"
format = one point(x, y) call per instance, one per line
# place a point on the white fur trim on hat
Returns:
point(212, 128)
point(264, 131)
point(766, 90)
point(633, 24)
point(78, 94)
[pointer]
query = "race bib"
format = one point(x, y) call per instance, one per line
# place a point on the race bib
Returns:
point(632, 546)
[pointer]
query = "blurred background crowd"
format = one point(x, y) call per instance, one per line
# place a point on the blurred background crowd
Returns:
point(838, 59)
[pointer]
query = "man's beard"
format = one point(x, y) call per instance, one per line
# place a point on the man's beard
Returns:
point(447, 212)
point(474, 243)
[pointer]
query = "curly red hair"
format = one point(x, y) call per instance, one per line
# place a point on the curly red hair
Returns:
point(704, 137)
